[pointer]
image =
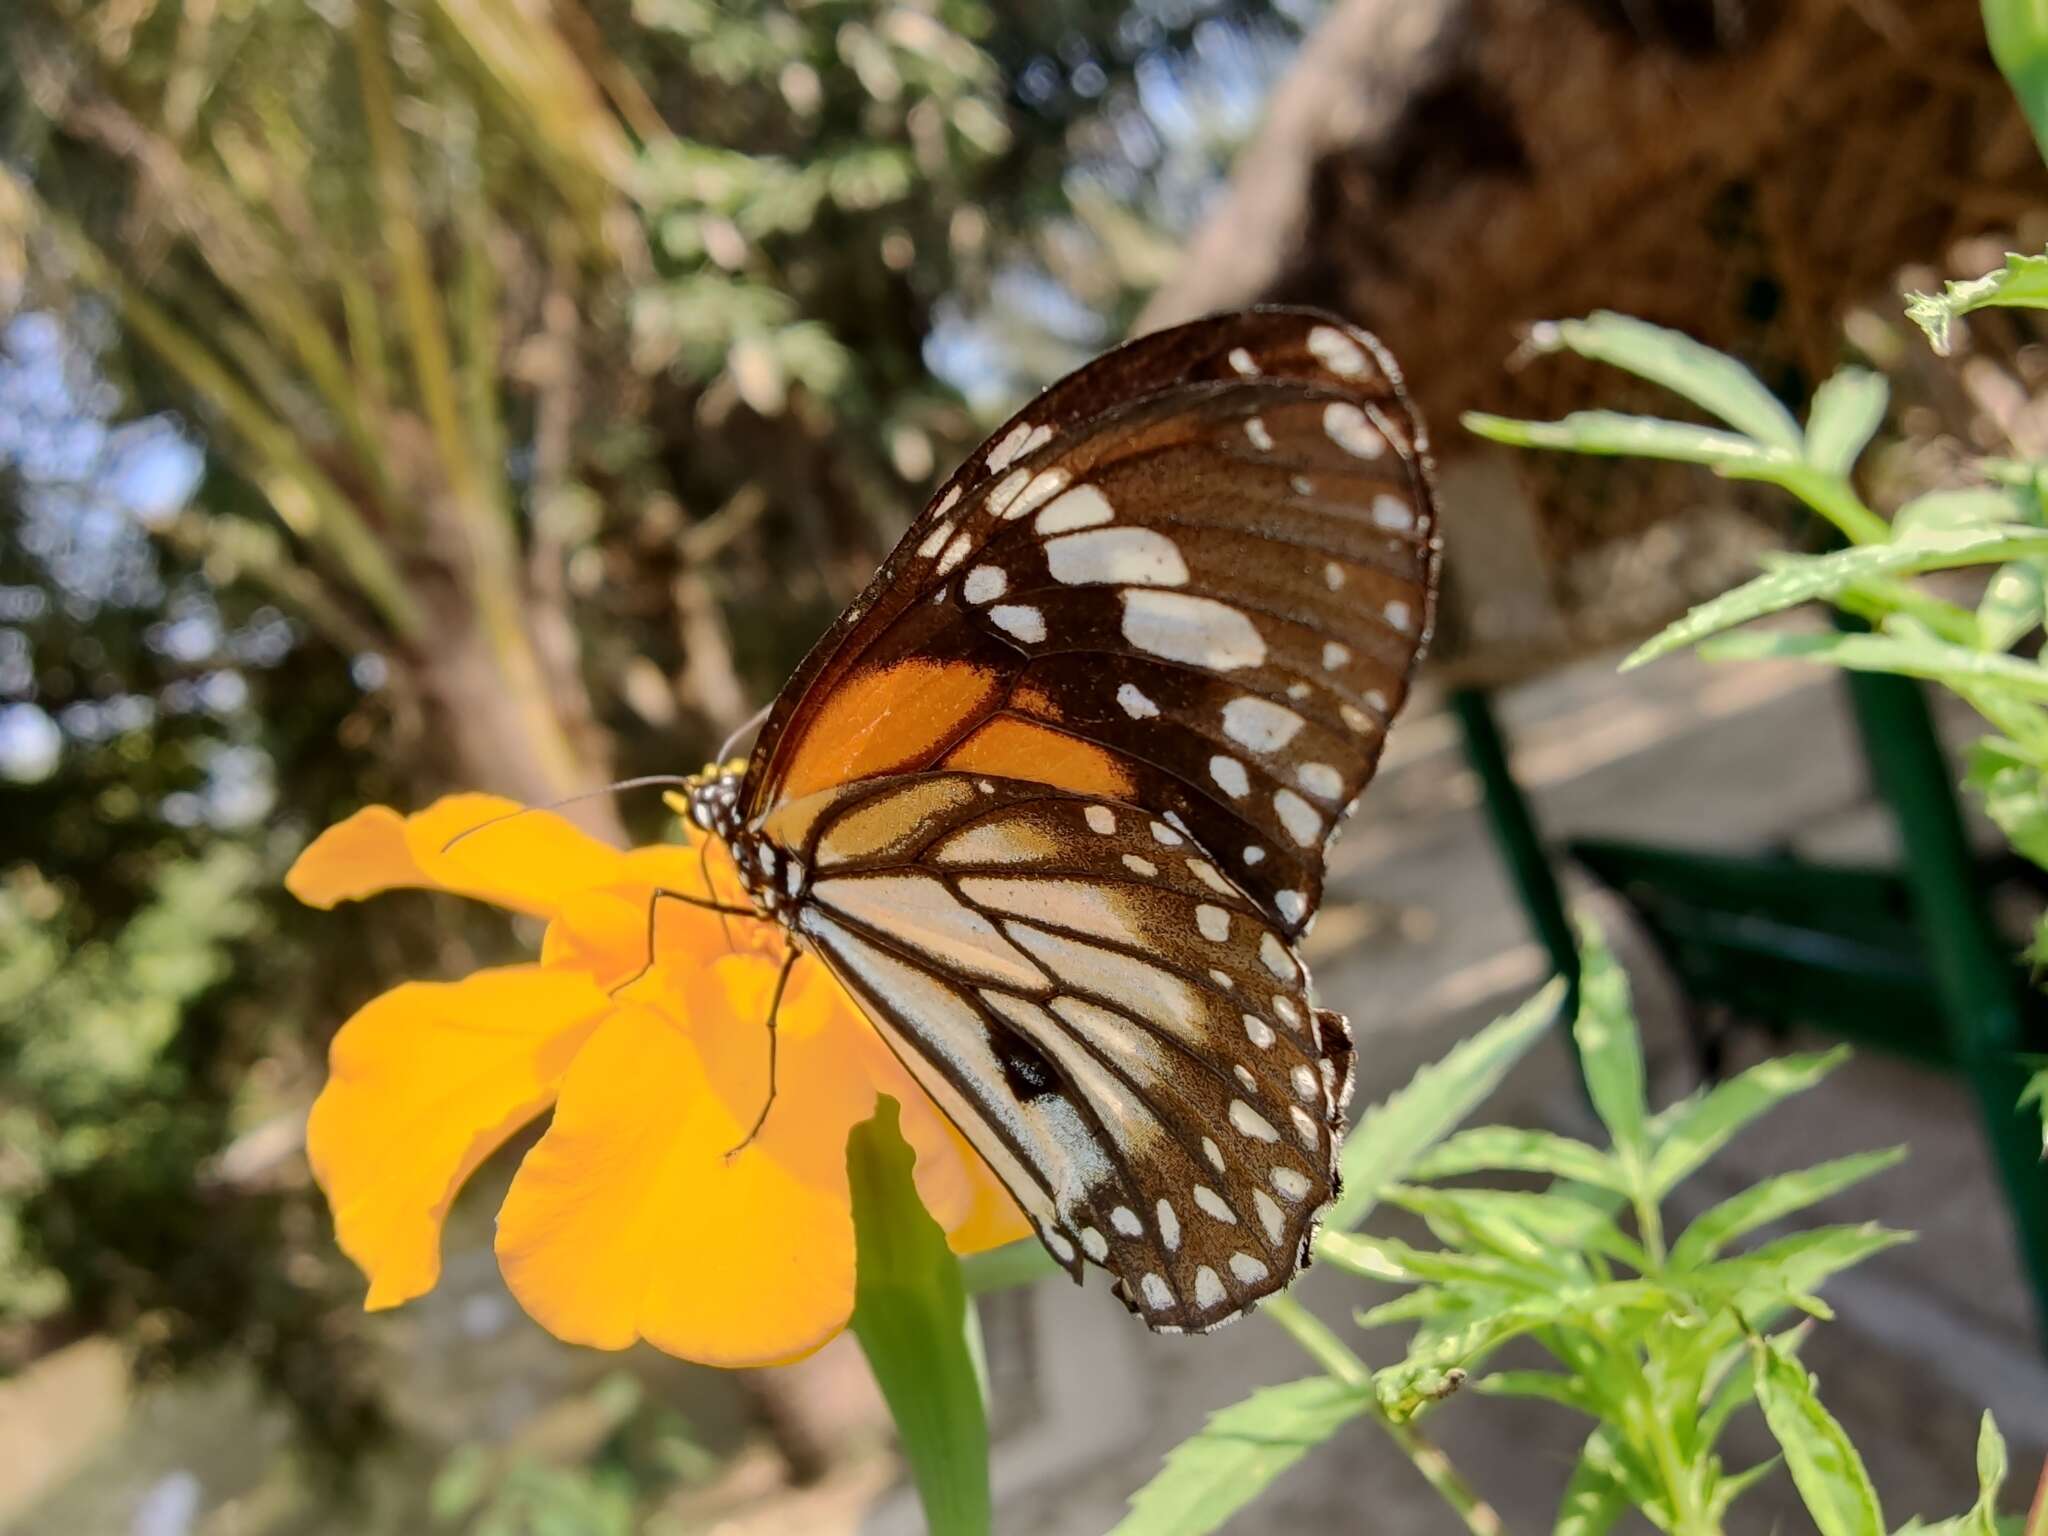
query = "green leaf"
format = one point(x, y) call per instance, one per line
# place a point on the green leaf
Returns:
point(1708, 1124)
point(1831, 1477)
point(2011, 607)
point(1610, 1051)
point(1733, 1486)
point(1916, 657)
point(2036, 1094)
point(1844, 416)
point(2022, 283)
point(1023, 1262)
point(1602, 1487)
point(1558, 1387)
point(1614, 434)
point(1391, 1135)
point(1215, 1473)
point(1772, 1200)
point(1992, 1464)
point(1711, 380)
point(1511, 1149)
point(1406, 1391)
point(1797, 580)
point(2018, 33)
point(2015, 796)
point(1973, 506)
point(1523, 1224)
point(1790, 1268)
point(914, 1323)
point(1388, 1258)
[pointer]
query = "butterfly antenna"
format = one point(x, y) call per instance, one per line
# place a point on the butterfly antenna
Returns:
point(653, 902)
point(645, 782)
point(754, 722)
point(774, 1006)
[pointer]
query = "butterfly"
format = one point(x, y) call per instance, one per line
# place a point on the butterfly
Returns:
point(1051, 799)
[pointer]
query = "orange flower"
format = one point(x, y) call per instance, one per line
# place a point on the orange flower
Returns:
point(628, 1220)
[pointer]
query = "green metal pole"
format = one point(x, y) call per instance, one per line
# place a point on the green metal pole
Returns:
point(1515, 835)
point(1972, 965)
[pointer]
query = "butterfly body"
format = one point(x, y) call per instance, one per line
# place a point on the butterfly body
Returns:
point(1051, 799)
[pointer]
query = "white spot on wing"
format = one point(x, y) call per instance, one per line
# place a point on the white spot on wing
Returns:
point(1271, 1217)
point(1213, 1203)
point(1094, 1244)
point(1169, 1226)
point(1007, 490)
point(1241, 360)
point(1082, 507)
point(1259, 1032)
point(1255, 429)
point(1198, 630)
point(1142, 867)
point(955, 551)
point(1100, 818)
point(1345, 425)
point(1335, 655)
point(1320, 779)
point(1259, 724)
point(1338, 352)
point(1125, 1220)
point(1303, 821)
point(1059, 1245)
point(1251, 1123)
point(1208, 1288)
point(1213, 922)
point(1229, 773)
point(1305, 1085)
point(1333, 575)
point(984, 584)
point(1292, 905)
point(1135, 703)
point(1392, 513)
point(1215, 1155)
point(1025, 622)
point(1020, 440)
point(1275, 955)
point(1254, 854)
point(1248, 1270)
point(936, 539)
point(1399, 616)
point(1205, 872)
point(1291, 1184)
point(1045, 485)
point(1304, 1126)
point(1139, 557)
point(1157, 1296)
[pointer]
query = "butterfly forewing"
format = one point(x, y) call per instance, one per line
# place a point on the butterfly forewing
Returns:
point(1120, 1030)
point(1195, 576)
point(1051, 799)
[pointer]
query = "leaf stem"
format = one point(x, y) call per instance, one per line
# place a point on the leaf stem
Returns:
point(1327, 1350)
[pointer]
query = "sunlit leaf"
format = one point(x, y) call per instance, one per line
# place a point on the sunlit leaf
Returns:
point(1707, 1125)
point(1610, 1051)
point(1512, 1149)
point(1933, 660)
point(1844, 416)
point(1973, 506)
point(1603, 1484)
point(1830, 1475)
point(2022, 283)
point(1390, 1136)
point(2018, 33)
point(1614, 434)
point(1773, 1200)
point(2015, 795)
point(1212, 1475)
point(1711, 380)
point(1797, 580)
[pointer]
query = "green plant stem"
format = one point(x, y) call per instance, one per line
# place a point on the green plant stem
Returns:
point(1327, 1350)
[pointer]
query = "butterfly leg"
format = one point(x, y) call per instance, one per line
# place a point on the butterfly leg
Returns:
point(653, 905)
point(774, 1004)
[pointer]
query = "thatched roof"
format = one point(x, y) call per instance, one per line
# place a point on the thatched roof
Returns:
point(1448, 171)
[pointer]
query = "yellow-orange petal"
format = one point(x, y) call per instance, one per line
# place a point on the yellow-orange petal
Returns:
point(529, 862)
point(629, 1221)
point(355, 858)
point(427, 1081)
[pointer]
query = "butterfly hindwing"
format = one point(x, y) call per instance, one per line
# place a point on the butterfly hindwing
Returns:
point(1194, 576)
point(1121, 1032)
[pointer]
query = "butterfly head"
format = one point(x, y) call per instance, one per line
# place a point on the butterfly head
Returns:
point(714, 799)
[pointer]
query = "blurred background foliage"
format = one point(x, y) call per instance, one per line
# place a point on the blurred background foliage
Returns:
point(398, 395)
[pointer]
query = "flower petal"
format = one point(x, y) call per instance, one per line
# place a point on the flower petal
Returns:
point(474, 845)
point(427, 1081)
point(356, 858)
point(630, 1220)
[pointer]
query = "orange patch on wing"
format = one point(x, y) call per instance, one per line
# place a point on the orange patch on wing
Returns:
point(1027, 698)
point(885, 721)
point(1017, 749)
